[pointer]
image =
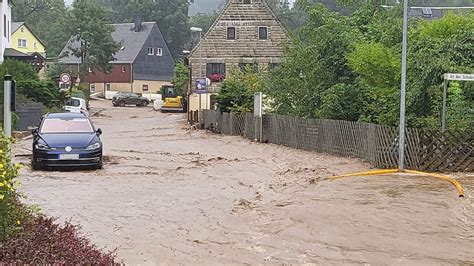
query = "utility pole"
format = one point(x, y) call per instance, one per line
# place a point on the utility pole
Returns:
point(7, 112)
point(401, 147)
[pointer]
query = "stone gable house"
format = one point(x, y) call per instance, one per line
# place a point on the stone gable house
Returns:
point(246, 32)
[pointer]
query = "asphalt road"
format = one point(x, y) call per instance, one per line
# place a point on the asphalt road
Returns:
point(170, 195)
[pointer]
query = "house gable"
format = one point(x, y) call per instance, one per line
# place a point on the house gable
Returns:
point(154, 61)
point(25, 40)
point(246, 19)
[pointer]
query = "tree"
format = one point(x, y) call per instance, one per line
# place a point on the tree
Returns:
point(48, 19)
point(237, 91)
point(180, 78)
point(313, 62)
point(170, 15)
point(203, 21)
point(90, 29)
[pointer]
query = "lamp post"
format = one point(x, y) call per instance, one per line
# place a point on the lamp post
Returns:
point(190, 86)
point(196, 29)
point(401, 147)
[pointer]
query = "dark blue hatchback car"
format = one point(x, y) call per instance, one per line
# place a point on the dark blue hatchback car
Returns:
point(66, 140)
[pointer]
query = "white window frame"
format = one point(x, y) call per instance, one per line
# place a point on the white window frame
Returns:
point(258, 33)
point(92, 87)
point(124, 69)
point(22, 43)
point(151, 51)
point(145, 86)
point(107, 87)
point(159, 51)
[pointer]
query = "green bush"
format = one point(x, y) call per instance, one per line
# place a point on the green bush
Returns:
point(12, 213)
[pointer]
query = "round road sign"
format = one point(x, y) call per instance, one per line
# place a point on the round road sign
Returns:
point(65, 78)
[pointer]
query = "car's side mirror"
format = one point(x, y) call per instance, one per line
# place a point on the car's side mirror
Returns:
point(99, 131)
point(34, 130)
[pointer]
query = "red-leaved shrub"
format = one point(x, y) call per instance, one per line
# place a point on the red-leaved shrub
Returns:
point(42, 241)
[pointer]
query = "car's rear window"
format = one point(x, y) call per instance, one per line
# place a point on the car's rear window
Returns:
point(57, 125)
point(73, 102)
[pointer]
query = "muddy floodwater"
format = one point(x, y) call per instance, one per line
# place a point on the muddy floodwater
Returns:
point(170, 195)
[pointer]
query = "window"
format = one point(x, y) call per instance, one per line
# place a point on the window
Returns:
point(22, 29)
point(5, 25)
point(159, 51)
point(144, 87)
point(262, 33)
point(35, 46)
point(107, 86)
point(90, 70)
point(215, 71)
point(92, 87)
point(230, 33)
point(21, 43)
point(124, 69)
point(247, 1)
point(151, 51)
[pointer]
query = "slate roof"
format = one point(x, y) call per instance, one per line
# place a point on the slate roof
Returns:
point(16, 26)
point(131, 43)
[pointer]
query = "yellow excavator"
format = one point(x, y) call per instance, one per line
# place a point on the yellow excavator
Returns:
point(172, 102)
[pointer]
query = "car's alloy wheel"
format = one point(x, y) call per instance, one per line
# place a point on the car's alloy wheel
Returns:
point(121, 103)
point(144, 103)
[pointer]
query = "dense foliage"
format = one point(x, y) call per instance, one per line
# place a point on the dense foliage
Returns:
point(348, 67)
point(237, 91)
point(29, 85)
point(181, 78)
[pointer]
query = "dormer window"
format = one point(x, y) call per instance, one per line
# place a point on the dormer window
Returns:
point(247, 2)
point(231, 33)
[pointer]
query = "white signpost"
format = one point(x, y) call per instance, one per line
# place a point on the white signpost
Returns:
point(447, 78)
point(258, 113)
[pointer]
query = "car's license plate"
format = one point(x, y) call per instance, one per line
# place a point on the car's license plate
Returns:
point(68, 156)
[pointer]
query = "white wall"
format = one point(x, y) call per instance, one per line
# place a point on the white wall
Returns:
point(5, 10)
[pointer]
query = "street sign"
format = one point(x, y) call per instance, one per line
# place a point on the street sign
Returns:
point(460, 77)
point(201, 85)
point(65, 78)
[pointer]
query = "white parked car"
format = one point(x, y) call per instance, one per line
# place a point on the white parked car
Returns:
point(76, 105)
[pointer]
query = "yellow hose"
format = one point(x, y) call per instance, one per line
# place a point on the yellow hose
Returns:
point(376, 172)
point(442, 177)
point(393, 171)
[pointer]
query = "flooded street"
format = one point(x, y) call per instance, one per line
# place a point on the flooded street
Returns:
point(170, 195)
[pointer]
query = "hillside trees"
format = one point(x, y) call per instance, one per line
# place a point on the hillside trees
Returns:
point(48, 19)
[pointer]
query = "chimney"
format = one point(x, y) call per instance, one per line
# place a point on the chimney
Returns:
point(138, 24)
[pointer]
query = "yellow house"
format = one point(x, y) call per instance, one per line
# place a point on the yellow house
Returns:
point(24, 40)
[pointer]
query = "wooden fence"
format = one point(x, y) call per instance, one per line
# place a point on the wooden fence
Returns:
point(424, 149)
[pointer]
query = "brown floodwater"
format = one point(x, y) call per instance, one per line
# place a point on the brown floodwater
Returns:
point(169, 195)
